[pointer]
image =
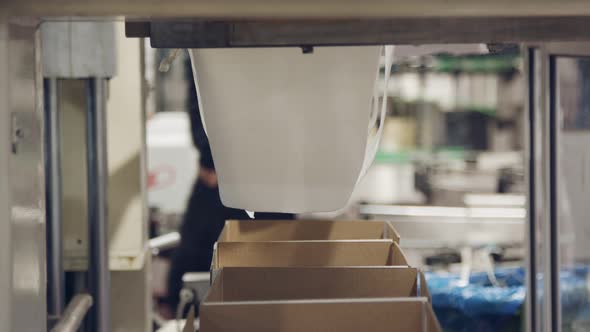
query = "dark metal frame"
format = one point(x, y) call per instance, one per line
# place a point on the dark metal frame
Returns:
point(555, 307)
point(53, 198)
point(199, 33)
point(544, 312)
point(531, 310)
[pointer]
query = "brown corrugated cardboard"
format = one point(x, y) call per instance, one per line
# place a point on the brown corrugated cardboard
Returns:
point(308, 253)
point(293, 230)
point(281, 283)
point(316, 299)
point(189, 325)
point(341, 315)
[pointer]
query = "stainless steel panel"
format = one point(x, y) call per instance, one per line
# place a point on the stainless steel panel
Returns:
point(5, 224)
point(22, 268)
point(75, 49)
point(432, 227)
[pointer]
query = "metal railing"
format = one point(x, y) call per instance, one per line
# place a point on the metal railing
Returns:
point(74, 314)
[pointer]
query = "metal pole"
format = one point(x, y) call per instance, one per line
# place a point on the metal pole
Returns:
point(542, 177)
point(53, 195)
point(98, 258)
point(74, 314)
point(552, 195)
point(531, 309)
point(79, 285)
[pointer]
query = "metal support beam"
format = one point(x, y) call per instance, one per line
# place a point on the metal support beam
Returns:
point(282, 9)
point(22, 184)
point(78, 49)
point(53, 197)
point(199, 33)
point(98, 258)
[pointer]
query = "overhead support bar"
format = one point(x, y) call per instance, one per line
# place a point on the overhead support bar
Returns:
point(434, 30)
point(284, 9)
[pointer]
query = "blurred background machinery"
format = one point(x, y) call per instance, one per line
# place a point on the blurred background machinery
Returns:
point(483, 167)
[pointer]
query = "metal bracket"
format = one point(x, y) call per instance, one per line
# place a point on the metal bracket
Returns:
point(76, 49)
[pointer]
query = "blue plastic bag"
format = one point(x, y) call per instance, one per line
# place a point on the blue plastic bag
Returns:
point(480, 306)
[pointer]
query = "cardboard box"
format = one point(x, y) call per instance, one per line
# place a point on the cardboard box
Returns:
point(308, 253)
point(296, 283)
point(343, 299)
point(293, 230)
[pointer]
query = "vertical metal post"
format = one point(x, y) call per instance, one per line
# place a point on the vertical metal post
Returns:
point(53, 195)
point(23, 280)
point(543, 197)
point(531, 238)
point(544, 310)
point(553, 127)
point(98, 258)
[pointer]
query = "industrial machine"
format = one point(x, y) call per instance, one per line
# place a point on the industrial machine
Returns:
point(78, 48)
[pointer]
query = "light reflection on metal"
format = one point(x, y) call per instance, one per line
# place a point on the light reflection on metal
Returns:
point(74, 314)
point(506, 200)
point(163, 242)
point(444, 211)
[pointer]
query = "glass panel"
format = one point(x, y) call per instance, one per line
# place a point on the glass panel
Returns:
point(573, 188)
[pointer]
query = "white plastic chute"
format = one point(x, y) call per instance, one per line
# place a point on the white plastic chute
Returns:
point(288, 130)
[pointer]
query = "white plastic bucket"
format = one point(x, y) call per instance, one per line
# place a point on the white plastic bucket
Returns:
point(288, 130)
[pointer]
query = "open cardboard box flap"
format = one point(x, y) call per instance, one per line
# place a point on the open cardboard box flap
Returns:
point(342, 315)
point(308, 253)
point(293, 230)
point(317, 299)
point(292, 283)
